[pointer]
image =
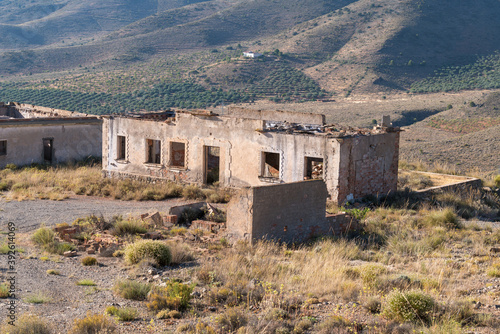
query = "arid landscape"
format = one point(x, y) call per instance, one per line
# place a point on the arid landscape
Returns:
point(83, 252)
point(439, 251)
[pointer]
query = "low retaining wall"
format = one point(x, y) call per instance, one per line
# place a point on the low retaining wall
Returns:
point(466, 184)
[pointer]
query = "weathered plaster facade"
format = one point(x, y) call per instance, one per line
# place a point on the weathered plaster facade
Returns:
point(30, 134)
point(252, 148)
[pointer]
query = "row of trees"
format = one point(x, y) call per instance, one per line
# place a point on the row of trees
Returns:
point(483, 74)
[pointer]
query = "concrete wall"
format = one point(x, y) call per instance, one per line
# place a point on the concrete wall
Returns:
point(292, 212)
point(72, 139)
point(352, 166)
point(241, 148)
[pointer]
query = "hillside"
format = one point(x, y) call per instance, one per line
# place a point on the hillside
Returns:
point(346, 47)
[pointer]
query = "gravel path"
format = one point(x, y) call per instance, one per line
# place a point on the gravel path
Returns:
point(28, 215)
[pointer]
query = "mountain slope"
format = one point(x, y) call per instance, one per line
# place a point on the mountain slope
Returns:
point(344, 45)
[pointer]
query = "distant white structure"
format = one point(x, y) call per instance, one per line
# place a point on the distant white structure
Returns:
point(251, 54)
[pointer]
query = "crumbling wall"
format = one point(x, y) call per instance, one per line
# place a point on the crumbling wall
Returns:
point(277, 116)
point(368, 165)
point(291, 212)
point(355, 163)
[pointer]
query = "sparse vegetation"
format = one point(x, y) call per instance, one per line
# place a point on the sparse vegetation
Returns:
point(129, 289)
point(45, 238)
point(157, 251)
point(174, 296)
point(37, 298)
point(27, 324)
point(89, 261)
point(411, 306)
point(46, 182)
point(122, 313)
point(53, 272)
point(93, 323)
point(86, 282)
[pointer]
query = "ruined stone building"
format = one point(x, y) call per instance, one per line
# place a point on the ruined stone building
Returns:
point(244, 148)
point(31, 134)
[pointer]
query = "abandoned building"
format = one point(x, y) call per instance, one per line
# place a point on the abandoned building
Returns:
point(243, 148)
point(32, 134)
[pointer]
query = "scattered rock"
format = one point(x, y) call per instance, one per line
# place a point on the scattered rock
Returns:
point(70, 253)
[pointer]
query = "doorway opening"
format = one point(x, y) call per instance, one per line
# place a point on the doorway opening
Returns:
point(212, 164)
point(48, 149)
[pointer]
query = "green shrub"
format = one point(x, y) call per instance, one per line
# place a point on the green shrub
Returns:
point(43, 236)
point(123, 314)
point(446, 218)
point(53, 272)
point(131, 289)
point(148, 249)
point(174, 296)
point(37, 298)
point(497, 180)
point(28, 324)
point(4, 290)
point(411, 306)
point(93, 324)
point(494, 270)
point(11, 166)
point(128, 227)
point(86, 282)
point(89, 261)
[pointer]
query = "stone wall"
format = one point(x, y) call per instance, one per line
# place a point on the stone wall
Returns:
point(291, 212)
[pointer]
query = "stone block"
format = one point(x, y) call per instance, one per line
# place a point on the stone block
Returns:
point(69, 253)
point(154, 219)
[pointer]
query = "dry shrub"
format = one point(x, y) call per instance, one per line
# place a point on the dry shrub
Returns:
point(494, 270)
point(93, 323)
point(27, 324)
point(336, 324)
point(128, 227)
point(193, 191)
point(497, 181)
point(231, 320)
point(181, 252)
point(168, 314)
